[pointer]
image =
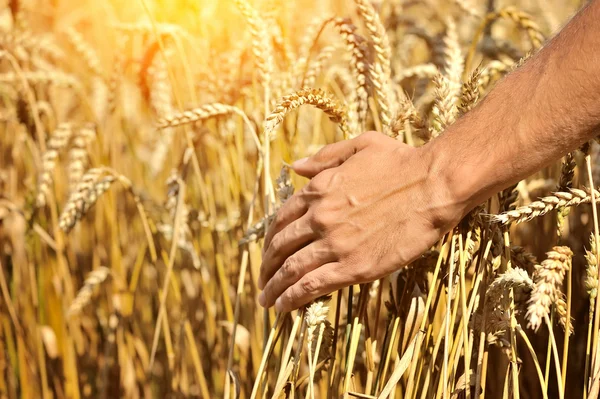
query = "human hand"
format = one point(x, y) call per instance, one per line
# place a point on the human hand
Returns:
point(372, 206)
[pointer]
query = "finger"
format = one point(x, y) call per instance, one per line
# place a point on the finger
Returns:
point(294, 208)
point(289, 240)
point(319, 282)
point(293, 269)
point(330, 156)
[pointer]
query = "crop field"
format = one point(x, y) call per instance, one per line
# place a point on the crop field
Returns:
point(145, 148)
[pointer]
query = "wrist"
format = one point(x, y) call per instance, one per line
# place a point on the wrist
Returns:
point(455, 175)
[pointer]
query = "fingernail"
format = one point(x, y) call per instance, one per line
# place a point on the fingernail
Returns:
point(262, 299)
point(260, 283)
point(299, 162)
point(278, 305)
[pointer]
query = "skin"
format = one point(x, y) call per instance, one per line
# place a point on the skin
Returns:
point(373, 204)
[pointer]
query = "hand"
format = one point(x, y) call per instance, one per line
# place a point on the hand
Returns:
point(372, 206)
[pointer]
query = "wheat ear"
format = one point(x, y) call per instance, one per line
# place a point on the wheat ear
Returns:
point(562, 199)
point(380, 71)
point(314, 97)
point(58, 141)
point(93, 279)
point(85, 51)
point(453, 60)
point(78, 154)
point(444, 108)
point(355, 45)
point(548, 278)
point(261, 45)
point(91, 186)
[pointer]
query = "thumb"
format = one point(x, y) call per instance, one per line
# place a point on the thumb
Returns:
point(330, 156)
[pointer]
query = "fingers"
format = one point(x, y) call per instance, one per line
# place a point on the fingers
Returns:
point(330, 156)
point(319, 282)
point(294, 269)
point(294, 208)
point(289, 240)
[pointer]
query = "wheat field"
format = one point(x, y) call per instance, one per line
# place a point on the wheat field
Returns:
point(144, 149)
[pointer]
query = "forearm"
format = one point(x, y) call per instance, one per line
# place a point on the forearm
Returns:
point(546, 108)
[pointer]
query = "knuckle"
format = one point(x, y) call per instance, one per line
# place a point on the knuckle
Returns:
point(276, 244)
point(370, 135)
point(309, 286)
point(319, 220)
point(340, 247)
point(362, 274)
point(320, 183)
point(289, 269)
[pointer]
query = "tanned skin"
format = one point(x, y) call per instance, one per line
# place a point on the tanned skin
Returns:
point(374, 204)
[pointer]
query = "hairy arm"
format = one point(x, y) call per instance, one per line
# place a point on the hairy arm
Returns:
point(546, 108)
point(373, 204)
